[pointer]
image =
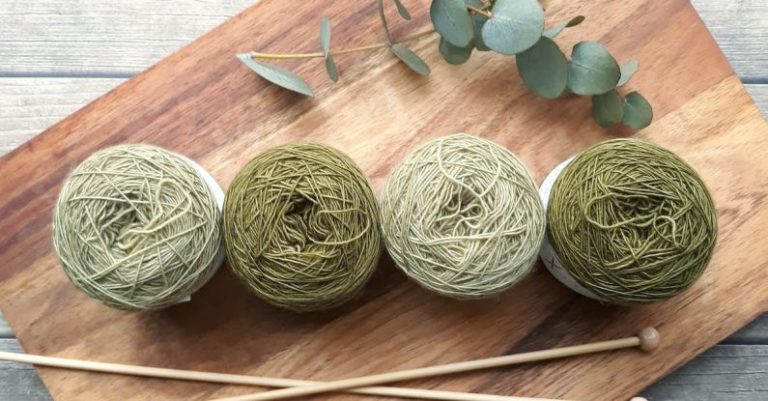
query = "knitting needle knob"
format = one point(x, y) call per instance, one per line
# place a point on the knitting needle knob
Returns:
point(649, 339)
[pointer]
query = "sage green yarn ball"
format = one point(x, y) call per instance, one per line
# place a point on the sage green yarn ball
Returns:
point(462, 217)
point(301, 227)
point(631, 222)
point(136, 227)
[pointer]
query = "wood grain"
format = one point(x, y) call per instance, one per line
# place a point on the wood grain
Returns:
point(755, 333)
point(201, 102)
point(723, 373)
point(741, 29)
point(759, 93)
point(30, 105)
point(709, 377)
point(5, 330)
point(20, 382)
point(107, 38)
point(115, 38)
point(54, 83)
point(740, 367)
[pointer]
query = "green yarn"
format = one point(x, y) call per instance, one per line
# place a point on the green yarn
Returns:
point(631, 222)
point(462, 217)
point(137, 228)
point(301, 227)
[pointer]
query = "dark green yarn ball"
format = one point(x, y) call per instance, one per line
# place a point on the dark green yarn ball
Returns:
point(301, 227)
point(631, 222)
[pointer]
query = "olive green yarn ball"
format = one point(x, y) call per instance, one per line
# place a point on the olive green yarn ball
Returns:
point(301, 227)
point(461, 216)
point(137, 228)
point(631, 222)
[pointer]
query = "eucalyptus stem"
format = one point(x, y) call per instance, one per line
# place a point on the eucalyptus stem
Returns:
point(278, 56)
point(507, 27)
point(484, 13)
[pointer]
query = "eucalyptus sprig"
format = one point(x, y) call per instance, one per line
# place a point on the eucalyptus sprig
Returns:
point(507, 27)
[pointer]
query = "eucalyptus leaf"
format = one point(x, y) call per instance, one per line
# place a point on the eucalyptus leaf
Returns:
point(452, 21)
point(592, 70)
point(555, 30)
point(627, 71)
point(325, 43)
point(544, 68)
point(453, 54)
point(402, 10)
point(330, 67)
point(607, 109)
point(277, 75)
point(383, 17)
point(638, 113)
point(515, 27)
point(411, 59)
point(577, 20)
point(325, 36)
point(479, 21)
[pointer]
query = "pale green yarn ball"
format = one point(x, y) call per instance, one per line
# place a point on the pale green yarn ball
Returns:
point(462, 217)
point(137, 227)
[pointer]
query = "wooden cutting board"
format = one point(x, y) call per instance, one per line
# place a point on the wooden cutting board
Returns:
point(203, 103)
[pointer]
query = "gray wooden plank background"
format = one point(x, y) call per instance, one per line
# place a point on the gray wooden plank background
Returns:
point(58, 55)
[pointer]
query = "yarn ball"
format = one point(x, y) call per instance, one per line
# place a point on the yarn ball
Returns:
point(301, 227)
point(137, 227)
point(631, 222)
point(461, 216)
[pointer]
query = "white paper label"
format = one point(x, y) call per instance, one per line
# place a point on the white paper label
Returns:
point(218, 195)
point(547, 253)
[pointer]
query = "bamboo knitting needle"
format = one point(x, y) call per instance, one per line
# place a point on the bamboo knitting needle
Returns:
point(647, 339)
point(223, 378)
